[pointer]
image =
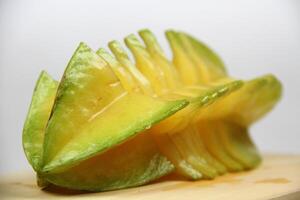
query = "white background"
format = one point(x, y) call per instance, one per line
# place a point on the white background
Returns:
point(253, 38)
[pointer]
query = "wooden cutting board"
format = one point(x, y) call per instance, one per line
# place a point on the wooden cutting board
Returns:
point(277, 178)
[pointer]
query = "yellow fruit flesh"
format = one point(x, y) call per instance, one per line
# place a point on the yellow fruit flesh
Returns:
point(195, 88)
point(209, 133)
point(200, 70)
point(165, 144)
point(238, 144)
point(122, 73)
point(198, 144)
point(182, 167)
point(148, 65)
point(92, 96)
point(210, 66)
point(193, 154)
point(97, 92)
point(124, 60)
point(159, 58)
point(242, 107)
point(167, 147)
point(185, 66)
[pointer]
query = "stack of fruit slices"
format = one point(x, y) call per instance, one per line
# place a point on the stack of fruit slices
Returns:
point(111, 123)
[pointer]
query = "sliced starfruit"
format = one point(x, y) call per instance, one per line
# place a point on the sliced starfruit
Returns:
point(198, 97)
point(37, 119)
point(88, 104)
point(112, 123)
point(240, 108)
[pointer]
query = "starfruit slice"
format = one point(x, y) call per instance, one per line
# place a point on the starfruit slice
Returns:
point(92, 96)
point(239, 109)
point(37, 118)
point(199, 68)
point(88, 103)
point(147, 61)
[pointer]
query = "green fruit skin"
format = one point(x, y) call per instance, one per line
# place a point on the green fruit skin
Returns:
point(37, 118)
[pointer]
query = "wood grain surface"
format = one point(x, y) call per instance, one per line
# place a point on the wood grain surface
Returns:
point(278, 177)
